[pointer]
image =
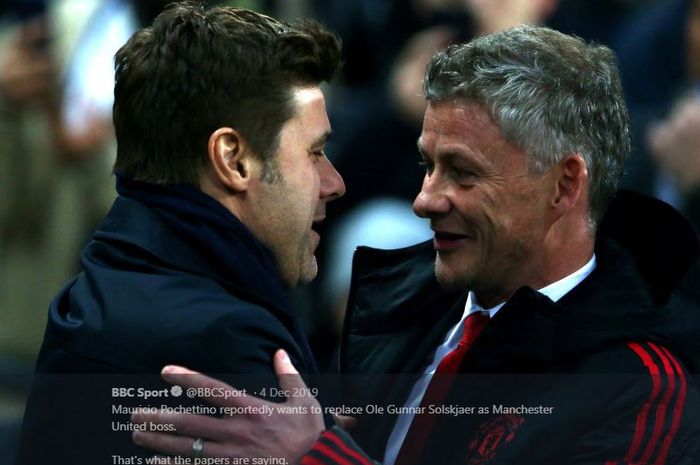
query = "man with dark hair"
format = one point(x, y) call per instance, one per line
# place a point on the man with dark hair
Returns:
point(577, 308)
point(222, 177)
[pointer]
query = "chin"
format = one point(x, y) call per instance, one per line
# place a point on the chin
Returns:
point(308, 272)
point(449, 278)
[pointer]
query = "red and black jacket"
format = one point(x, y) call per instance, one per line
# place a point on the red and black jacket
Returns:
point(617, 359)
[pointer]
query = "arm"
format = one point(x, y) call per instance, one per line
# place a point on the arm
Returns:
point(28, 73)
point(674, 144)
point(497, 15)
point(296, 437)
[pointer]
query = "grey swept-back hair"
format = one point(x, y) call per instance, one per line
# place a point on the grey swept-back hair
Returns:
point(550, 94)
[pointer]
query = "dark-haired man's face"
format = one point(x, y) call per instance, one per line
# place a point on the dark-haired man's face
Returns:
point(287, 209)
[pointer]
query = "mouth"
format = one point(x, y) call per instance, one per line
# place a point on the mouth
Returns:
point(445, 241)
point(316, 223)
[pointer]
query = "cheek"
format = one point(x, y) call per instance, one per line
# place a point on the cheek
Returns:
point(528, 217)
point(511, 214)
point(471, 204)
point(312, 189)
point(485, 211)
point(301, 203)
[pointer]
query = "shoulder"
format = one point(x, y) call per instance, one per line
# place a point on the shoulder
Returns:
point(182, 320)
point(642, 357)
point(645, 401)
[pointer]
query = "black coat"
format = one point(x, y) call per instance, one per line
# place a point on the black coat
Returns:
point(148, 297)
point(617, 358)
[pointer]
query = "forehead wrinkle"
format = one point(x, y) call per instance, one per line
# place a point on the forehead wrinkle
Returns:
point(459, 131)
point(462, 115)
point(449, 153)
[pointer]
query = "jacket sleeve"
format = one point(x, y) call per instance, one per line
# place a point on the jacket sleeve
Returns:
point(336, 447)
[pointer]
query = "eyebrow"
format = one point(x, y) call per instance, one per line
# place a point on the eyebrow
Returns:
point(448, 156)
point(419, 146)
point(324, 138)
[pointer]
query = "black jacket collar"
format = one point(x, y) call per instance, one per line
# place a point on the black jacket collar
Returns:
point(130, 222)
point(645, 287)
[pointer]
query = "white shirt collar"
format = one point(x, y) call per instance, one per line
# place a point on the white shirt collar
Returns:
point(554, 291)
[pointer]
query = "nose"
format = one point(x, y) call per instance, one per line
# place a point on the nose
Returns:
point(431, 201)
point(332, 184)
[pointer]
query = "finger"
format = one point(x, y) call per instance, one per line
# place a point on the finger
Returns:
point(29, 92)
point(175, 445)
point(36, 31)
point(656, 137)
point(283, 365)
point(222, 395)
point(439, 37)
point(39, 66)
point(289, 377)
point(197, 426)
point(346, 422)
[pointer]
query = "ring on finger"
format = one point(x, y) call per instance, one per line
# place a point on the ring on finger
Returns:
point(198, 447)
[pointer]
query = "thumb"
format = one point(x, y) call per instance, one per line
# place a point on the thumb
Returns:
point(345, 422)
point(288, 376)
point(283, 365)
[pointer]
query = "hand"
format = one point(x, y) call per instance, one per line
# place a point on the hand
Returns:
point(29, 77)
point(675, 144)
point(280, 435)
point(27, 69)
point(498, 15)
point(408, 71)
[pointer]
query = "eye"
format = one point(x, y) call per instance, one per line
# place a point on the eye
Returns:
point(427, 165)
point(318, 154)
point(462, 175)
point(461, 172)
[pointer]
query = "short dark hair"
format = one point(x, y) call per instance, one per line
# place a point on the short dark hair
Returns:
point(550, 94)
point(197, 69)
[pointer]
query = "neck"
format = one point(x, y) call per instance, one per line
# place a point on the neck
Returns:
point(565, 251)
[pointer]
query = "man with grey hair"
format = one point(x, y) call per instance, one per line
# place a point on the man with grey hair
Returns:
point(540, 278)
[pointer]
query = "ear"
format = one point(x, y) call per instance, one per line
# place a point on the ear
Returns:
point(231, 159)
point(572, 183)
